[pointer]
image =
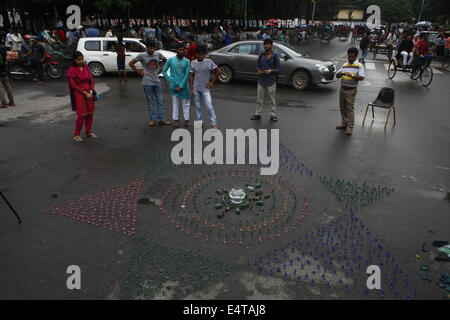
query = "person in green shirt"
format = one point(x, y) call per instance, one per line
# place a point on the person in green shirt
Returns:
point(284, 37)
point(179, 87)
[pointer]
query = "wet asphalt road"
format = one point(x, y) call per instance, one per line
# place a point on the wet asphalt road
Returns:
point(40, 165)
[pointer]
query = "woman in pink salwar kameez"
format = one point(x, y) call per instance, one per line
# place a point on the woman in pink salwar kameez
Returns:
point(81, 88)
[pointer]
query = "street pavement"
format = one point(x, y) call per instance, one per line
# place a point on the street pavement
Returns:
point(391, 196)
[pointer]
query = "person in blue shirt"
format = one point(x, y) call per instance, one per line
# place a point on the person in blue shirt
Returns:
point(268, 68)
point(179, 88)
point(228, 39)
point(266, 34)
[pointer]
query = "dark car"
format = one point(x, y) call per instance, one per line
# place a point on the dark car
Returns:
point(239, 61)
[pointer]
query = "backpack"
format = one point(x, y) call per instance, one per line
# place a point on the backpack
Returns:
point(274, 57)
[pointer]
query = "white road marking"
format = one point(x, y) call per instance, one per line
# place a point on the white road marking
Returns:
point(436, 70)
point(370, 66)
point(339, 56)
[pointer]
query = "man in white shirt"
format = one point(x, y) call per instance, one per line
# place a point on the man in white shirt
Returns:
point(13, 40)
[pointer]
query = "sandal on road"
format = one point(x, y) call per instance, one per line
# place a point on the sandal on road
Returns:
point(3, 106)
point(274, 118)
point(255, 117)
point(78, 139)
point(92, 135)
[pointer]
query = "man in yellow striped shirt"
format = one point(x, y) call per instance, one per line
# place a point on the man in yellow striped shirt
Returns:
point(351, 73)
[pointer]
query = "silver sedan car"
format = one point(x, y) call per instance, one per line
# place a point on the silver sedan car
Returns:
point(239, 61)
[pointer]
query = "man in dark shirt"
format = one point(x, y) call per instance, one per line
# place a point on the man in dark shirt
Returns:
point(25, 50)
point(268, 69)
point(364, 46)
point(37, 59)
point(406, 50)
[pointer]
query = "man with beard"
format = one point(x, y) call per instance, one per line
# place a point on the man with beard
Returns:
point(178, 84)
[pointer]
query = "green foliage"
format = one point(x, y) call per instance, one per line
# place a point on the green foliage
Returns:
point(392, 11)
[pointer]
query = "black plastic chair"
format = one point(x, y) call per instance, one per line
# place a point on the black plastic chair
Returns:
point(385, 99)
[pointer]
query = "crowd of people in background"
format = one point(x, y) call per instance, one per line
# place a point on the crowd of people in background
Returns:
point(188, 73)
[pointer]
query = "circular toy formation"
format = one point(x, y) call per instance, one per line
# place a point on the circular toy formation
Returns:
point(234, 206)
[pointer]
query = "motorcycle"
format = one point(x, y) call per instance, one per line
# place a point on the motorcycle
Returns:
point(19, 70)
point(373, 43)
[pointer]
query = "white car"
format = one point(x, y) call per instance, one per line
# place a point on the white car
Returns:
point(100, 55)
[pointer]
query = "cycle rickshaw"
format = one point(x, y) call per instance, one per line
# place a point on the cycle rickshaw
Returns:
point(419, 70)
point(385, 49)
point(343, 35)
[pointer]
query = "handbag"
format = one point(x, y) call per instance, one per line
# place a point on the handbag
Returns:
point(94, 93)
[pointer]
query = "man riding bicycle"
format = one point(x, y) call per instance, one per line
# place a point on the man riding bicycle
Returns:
point(421, 50)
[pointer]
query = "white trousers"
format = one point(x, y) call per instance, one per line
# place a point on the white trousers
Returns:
point(405, 55)
point(185, 103)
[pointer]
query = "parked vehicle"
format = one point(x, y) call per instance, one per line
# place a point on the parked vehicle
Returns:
point(100, 55)
point(239, 61)
point(18, 69)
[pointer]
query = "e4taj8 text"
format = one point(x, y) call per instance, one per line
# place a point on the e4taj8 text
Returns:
point(240, 309)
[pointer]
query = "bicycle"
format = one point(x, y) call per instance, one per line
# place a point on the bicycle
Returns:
point(421, 71)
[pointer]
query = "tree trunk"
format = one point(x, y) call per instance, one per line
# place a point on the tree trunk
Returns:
point(6, 22)
point(55, 12)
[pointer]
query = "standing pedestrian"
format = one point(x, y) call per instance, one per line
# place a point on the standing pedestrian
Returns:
point(446, 61)
point(82, 94)
point(25, 50)
point(228, 38)
point(37, 59)
point(440, 45)
point(152, 61)
point(201, 84)
point(13, 40)
point(4, 85)
point(354, 34)
point(120, 50)
point(351, 73)
point(284, 37)
point(179, 89)
point(268, 69)
point(191, 51)
point(364, 46)
point(266, 35)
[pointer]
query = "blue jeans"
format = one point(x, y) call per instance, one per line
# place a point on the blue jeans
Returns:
point(157, 92)
point(206, 97)
point(37, 65)
point(364, 54)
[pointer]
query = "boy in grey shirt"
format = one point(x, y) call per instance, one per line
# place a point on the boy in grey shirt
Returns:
point(151, 62)
point(201, 84)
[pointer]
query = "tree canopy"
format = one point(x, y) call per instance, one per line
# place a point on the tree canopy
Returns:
point(392, 11)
